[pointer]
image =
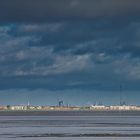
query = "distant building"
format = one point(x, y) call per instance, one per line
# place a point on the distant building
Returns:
point(124, 107)
point(99, 107)
point(3, 107)
point(18, 107)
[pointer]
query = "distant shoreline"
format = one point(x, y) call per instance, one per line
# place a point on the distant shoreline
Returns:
point(69, 113)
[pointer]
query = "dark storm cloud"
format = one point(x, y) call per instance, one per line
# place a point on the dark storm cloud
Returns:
point(70, 55)
point(112, 37)
point(45, 10)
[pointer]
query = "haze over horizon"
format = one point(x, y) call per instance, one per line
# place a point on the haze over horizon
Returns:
point(79, 51)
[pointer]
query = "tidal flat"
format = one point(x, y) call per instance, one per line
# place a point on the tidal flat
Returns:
point(81, 125)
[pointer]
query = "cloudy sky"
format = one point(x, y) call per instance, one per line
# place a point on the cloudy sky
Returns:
point(79, 51)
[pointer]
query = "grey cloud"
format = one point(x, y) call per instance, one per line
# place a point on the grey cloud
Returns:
point(45, 10)
point(21, 58)
point(49, 56)
point(52, 27)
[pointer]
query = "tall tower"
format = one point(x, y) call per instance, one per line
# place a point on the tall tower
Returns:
point(28, 103)
point(121, 95)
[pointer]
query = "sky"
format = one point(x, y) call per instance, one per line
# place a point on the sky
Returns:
point(79, 51)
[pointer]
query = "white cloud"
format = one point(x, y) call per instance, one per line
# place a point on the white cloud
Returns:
point(38, 28)
point(66, 64)
point(128, 67)
point(60, 65)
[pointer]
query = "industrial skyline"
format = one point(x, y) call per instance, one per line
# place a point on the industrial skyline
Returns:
point(62, 107)
point(62, 101)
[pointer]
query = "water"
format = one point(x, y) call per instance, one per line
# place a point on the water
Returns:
point(53, 126)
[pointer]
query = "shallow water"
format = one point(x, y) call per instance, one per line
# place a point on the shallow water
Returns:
point(73, 127)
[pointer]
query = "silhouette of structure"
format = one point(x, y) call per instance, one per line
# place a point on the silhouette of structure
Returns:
point(60, 103)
